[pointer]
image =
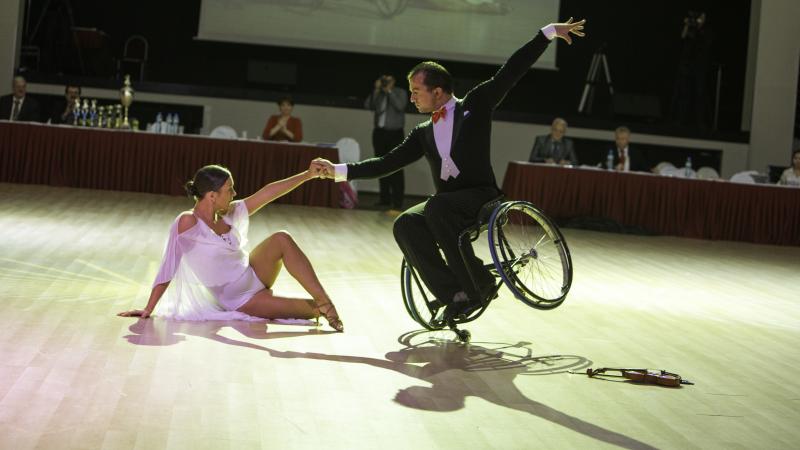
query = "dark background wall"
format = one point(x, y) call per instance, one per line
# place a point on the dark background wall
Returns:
point(642, 41)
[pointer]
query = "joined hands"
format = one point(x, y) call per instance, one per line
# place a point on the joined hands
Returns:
point(322, 168)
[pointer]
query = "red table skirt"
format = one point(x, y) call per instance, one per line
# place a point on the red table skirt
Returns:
point(158, 164)
point(704, 209)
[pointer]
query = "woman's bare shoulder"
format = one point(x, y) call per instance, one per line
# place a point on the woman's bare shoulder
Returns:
point(186, 221)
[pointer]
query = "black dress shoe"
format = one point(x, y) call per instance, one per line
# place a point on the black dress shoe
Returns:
point(457, 309)
point(452, 310)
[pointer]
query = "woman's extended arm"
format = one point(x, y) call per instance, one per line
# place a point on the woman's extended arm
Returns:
point(277, 189)
point(168, 267)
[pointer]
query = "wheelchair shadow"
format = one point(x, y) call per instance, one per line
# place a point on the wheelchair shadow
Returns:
point(454, 371)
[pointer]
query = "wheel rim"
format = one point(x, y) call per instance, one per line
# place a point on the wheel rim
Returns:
point(416, 297)
point(530, 254)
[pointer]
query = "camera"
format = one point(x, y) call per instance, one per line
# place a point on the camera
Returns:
point(385, 79)
point(694, 19)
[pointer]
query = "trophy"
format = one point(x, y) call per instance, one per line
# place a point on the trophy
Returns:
point(93, 113)
point(101, 121)
point(126, 98)
point(110, 119)
point(84, 111)
point(76, 111)
point(118, 115)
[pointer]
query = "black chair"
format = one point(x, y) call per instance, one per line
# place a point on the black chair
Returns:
point(775, 173)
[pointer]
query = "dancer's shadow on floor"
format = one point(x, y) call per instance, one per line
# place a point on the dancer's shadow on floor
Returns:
point(157, 332)
point(454, 371)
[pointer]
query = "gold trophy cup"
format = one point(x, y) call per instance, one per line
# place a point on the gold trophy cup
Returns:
point(126, 98)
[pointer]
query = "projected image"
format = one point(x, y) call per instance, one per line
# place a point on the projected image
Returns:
point(485, 31)
point(391, 8)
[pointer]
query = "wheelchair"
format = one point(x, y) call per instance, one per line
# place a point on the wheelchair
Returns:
point(529, 256)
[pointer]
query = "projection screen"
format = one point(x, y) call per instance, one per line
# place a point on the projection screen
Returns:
point(481, 31)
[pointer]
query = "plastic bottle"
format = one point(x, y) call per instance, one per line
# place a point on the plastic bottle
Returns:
point(168, 124)
point(159, 123)
point(687, 168)
point(610, 160)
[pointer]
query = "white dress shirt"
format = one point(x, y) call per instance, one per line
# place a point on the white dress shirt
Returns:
point(443, 135)
point(19, 108)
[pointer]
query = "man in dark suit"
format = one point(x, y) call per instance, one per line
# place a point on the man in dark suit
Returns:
point(18, 106)
point(456, 143)
point(554, 148)
point(64, 111)
point(625, 158)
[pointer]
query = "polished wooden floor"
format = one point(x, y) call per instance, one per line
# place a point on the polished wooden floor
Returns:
point(73, 375)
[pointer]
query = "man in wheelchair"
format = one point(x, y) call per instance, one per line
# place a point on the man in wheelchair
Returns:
point(456, 143)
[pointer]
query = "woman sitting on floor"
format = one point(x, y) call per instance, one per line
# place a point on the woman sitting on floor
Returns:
point(210, 274)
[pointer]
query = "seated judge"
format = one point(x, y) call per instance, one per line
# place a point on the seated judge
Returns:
point(64, 111)
point(791, 176)
point(283, 127)
point(625, 158)
point(554, 148)
point(18, 106)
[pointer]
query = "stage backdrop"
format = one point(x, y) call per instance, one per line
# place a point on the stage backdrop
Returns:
point(484, 31)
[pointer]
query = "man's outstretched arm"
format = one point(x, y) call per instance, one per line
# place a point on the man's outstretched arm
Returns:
point(404, 154)
point(496, 88)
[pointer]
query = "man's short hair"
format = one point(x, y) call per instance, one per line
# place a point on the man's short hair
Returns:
point(559, 120)
point(19, 78)
point(622, 129)
point(66, 88)
point(286, 99)
point(435, 75)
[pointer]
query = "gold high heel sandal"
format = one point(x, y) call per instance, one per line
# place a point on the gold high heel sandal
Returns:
point(333, 320)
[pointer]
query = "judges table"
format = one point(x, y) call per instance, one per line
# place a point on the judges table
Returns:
point(704, 209)
point(154, 163)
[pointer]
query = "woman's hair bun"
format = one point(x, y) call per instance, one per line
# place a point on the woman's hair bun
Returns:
point(191, 190)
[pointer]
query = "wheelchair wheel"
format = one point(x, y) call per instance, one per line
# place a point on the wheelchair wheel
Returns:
point(530, 254)
point(418, 300)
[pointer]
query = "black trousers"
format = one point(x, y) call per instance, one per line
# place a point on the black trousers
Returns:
point(425, 229)
point(392, 188)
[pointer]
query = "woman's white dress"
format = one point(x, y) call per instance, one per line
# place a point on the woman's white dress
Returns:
point(210, 275)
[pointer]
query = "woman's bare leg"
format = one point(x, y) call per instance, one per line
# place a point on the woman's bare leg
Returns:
point(268, 306)
point(280, 249)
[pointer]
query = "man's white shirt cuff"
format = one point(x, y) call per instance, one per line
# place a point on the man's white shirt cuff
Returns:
point(549, 31)
point(339, 172)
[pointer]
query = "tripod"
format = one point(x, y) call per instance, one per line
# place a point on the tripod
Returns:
point(592, 79)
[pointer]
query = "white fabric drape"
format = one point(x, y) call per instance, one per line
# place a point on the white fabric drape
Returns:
point(209, 277)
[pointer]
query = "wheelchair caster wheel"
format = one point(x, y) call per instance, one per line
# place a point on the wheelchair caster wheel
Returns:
point(464, 336)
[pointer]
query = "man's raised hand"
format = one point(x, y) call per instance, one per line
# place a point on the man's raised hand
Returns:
point(563, 30)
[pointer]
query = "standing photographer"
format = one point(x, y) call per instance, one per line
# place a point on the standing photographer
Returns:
point(389, 103)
